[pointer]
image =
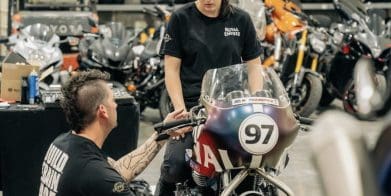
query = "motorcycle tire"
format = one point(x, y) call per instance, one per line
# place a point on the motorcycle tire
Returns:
point(349, 101)
point(312, 86)
point(165, 105)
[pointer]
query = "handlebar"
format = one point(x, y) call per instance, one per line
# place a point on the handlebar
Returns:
point(159, 127)
point(164, 128)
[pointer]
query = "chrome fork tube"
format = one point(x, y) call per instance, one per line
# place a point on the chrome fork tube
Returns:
point(235, 182)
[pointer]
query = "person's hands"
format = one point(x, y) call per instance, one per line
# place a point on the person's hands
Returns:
point(175, 115)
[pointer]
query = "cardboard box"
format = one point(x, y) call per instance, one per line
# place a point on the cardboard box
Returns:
point(11, 79)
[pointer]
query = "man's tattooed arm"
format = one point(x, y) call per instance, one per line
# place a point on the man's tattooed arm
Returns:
point(133, 163)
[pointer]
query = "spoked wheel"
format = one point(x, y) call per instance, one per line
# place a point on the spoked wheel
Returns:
point(165, 104)
point(307, 97)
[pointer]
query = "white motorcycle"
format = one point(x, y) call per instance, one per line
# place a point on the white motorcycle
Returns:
point(37, 44)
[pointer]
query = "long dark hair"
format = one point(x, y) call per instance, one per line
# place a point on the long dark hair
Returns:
point(226, 8)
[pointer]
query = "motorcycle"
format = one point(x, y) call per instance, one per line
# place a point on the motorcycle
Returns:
point(356, 41)
point(287, 33)
point(240, 127)
point(37, 44)
point(60, 16)
point(138, 68)
point(133, 67)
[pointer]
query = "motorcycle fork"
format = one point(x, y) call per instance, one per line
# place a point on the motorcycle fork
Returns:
point(274, 60)
point(299, 74)
point(230, 186)
point(314, 63)
point(277, 52)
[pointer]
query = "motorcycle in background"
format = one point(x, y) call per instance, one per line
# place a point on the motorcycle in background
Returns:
point(65, 18)
point(356, 41)
point(238, 129)
point(134, 67)
point(287, 34)
point(37, 44)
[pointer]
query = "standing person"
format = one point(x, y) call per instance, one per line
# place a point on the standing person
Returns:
point(201, 35)
point(74, 163)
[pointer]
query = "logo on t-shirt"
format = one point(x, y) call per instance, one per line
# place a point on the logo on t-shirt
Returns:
point(231, 32)
point(120, 187)
point(52, 168)
point(167, 38)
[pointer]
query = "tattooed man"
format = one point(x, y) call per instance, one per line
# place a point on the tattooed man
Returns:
point(74, 163)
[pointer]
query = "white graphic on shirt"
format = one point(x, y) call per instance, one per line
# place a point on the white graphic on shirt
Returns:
point(167, 38)
point(52, 167)
point(231, 32)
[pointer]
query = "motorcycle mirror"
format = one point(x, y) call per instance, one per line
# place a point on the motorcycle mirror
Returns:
point(388, 29)
point(368, 97)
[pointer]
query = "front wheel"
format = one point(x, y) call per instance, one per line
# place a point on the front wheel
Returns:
point(165, 104)
point(307, 96)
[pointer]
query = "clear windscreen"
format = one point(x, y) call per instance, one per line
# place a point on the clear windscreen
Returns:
point(242, 84)
point(38, 32)
point(116, 40)
point(354, 6)
point(117, 35)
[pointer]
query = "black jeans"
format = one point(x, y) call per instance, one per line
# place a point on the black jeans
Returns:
point(174, 168)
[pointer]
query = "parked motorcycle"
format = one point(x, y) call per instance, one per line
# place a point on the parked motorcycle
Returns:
point(136, 67)
point(37, 44)
point(288, 32)
point(238, 130)
point(61, 17)
point(356, 40)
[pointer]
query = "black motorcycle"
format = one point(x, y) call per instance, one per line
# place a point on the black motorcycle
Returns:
point(137, 68)
point(356, 40)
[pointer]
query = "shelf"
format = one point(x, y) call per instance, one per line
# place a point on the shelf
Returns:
point(127, 7)
point(139, 7)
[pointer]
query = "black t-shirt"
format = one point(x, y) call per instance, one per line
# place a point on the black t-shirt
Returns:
point(204, 43)
point(75, 166)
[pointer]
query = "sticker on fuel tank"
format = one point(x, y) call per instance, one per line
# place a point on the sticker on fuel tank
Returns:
point(258, 134)
point(257, 100)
